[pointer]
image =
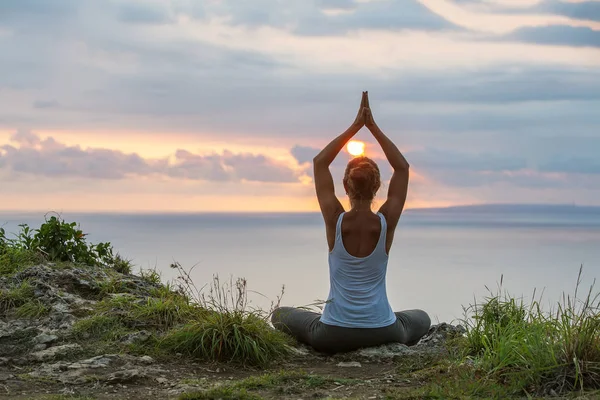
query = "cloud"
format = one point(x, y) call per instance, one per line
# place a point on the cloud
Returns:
point(428, 159)
point(46, 104)
point(145, 13)
point(304, 154)
point(47, 157)
point(502, 17)
point(584, 10)
point(462, 169)
point(325, 17)
point(559, 35)
point(230, 167)
point(575, 165)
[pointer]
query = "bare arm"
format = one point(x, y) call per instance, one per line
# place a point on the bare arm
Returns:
point(392, 208)
point(328, 202)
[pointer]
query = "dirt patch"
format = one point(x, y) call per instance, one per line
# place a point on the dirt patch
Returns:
point(320, 379)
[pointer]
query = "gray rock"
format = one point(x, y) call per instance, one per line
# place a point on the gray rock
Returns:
point(39, 347)
point(147, 360)
point(55, 352)
point(5, 377)
point(137, 337)
point(349, 364)
point(61, 308)
point(126, 375)
point(74, 377)
point(43, 338)
point(102, 361)
point(382, 353)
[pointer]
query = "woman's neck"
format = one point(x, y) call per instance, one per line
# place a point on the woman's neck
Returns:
point(358, 206)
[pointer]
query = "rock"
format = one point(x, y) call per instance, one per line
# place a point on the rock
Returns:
point(4, 360)
point(299, 351)
point(137, 337)
point(439, 334)
point(61, 308)
point(385, 352)
point(39, 347)
point(349, 364)
point(161, 380)
point(147, 360)
point(126, 375)
point(102, 361)
point(5, 377)
point(74, 377)
point(43, 338)
point(55, 352)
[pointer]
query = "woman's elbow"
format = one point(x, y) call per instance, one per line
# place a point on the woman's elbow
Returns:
point(402, 167)
point(318, 160)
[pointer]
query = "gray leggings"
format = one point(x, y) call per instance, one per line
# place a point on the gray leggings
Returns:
point(306, 327)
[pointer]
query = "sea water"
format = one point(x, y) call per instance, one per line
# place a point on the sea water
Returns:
point(441, 261)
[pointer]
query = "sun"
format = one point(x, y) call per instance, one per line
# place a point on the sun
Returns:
point(356, 148)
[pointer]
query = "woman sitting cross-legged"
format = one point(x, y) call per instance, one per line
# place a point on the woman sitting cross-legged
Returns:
point(357, 313)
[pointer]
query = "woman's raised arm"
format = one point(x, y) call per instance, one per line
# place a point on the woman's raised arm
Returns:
point(328, 202)
point(392, 208)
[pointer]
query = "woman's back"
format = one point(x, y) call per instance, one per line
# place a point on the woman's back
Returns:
point(358, 297)
point(360, 232)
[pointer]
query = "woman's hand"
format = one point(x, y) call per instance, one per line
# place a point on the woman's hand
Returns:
point(359, 121)
point(367, 114)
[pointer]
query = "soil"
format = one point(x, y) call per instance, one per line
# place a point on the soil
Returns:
point(369, 381)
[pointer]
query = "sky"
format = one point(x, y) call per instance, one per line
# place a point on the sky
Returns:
point(220, 105)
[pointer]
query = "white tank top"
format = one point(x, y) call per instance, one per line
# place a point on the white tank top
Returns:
point(357, 295)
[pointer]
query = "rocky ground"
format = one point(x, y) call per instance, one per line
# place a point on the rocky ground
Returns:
point(40, 358)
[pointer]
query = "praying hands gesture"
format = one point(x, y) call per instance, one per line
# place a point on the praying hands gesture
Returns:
point(364, 117)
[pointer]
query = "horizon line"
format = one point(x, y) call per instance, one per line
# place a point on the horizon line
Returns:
point(146, 212)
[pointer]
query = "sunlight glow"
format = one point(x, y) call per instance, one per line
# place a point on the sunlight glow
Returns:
point(356, 148)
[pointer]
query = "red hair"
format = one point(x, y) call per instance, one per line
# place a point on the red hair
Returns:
point(362, 179)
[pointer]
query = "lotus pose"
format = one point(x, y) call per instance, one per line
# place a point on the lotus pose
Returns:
point(357, 313)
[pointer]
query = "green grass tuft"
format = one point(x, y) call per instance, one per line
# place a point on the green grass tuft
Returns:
point(221, 393)
point(535, 351)
point(15, 297)
point(229, 331)
point(32, 309)
point(100, 327)
point(282, 383)
point(229, 337)
point(121, 265)
point(63, 397)
point(151, 276)
point(13, 260)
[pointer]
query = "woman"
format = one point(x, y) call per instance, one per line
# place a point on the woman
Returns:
point(357, 313)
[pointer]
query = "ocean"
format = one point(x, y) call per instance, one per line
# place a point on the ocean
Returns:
point(442, 259)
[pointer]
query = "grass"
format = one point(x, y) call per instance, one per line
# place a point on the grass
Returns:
point(223, 393)
point(15, 297)
point(121, 265)
point(64, 397)
point(228, 337)
point(163, 312)
point(532, 351)
point(229, 331)
point(13, 260)
point(112, 285)
point(32, 309)
point(450, 380)
point(100, 327)
point(282, 383)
